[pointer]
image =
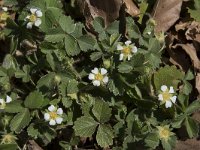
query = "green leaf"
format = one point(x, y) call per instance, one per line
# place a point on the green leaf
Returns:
point(152, 140)
point(20, 121)
point(85, 126)
point(194, 106)
point(72, 87)
point(54, 35)
point(168, 75)
point(24, 74)
point(104, 135)
point(132, 29)
point(34, 100)
point(95, 56)
point(86, 42)
point(194, 12)
point(101, 111)
point(189, 75)
point(14, 107)
point(71, 45)
point(98, 24)
point(187, 88)
point(67, 24)
point(192, 127)
point(8, 147)
point(125, 68)
point(170, 143)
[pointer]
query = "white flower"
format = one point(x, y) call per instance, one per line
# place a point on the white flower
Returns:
point(167, 96)
point(127, 50)
point(34, 18)
point(4, 15)
point(98, 76)
point(3, 102)
point(54, 116)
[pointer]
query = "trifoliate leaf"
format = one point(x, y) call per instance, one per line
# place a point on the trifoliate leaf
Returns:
point(104, 135)
point(85, 126)
point(20, 121)
point(132, 29)
point(101, 111)
point(55, 35)
point(14, 107)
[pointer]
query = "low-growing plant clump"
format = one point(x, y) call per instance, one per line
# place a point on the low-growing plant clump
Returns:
point(66, 83)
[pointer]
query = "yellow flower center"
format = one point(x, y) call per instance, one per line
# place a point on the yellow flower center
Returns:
point(53, 115)
point(3, 16)
point(8, 138)
point(126, 50)
point(164, 133)
point(32, 18)
point(99, 77)
point(166, 95)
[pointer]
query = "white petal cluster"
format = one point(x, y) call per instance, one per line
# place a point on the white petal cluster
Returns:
point(167, 96)
point(54, 115)
point(4, 102)
point(98, 76)
point(34, 18)
point(127, 50)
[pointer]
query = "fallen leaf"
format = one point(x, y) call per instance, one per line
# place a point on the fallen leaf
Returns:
point(131, 8)
point(166, 13)
point(107, 9)
point(197, 83)
point(191, 51)
point(189, 144)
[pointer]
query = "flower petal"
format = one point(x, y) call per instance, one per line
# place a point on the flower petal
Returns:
point(160, 97)
point(52, 122)
point(171, 89)
point(8, 99)
point(59, 111)
point(105, 79)
point(129, 57)
point(121, 56)
point(59, 120)
point(134, 49)
point(119, 47)
point(38, 13)
point(38, 22)
point(96, 83)
point(46, 116)
point(173, 99)
point(29, 25)
point(163, 88)
point(5, 8)
point(103, 71)
point(33, 10)
point(168, 104)
point(52, 108)
point(95, 70)
point(91, 76)
point(2, 101)
point(128, 42)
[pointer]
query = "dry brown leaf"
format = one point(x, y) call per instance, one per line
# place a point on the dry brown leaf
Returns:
point(197, 84)
point(191, 51)
point(32, 145)
point(107, 9)
point(131, 8)
point(193, 31)
point(166, 13)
